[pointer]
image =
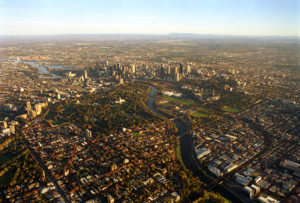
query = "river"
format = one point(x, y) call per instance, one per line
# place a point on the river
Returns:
point(188, 150)
point(42, 69)
point(179, 125)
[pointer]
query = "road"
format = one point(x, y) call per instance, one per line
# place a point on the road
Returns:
point(47, 172)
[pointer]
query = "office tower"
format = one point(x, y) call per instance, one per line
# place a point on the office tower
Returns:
point(32, 113)
point(177, 77)
point(180, 68)
point(28, 106)
point(188, 70)
point(169, 70)
point(38, 109)
point(121, 80)
point(85, 74)
point(12, 129)
point(162, 71)
point(176, 70)
point(3, 124)
point(88, 133)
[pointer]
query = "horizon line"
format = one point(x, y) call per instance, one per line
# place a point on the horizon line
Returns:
point(150, 34)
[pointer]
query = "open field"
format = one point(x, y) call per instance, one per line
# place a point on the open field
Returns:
point(6, 157)
point(186, 102)
point(135, 134)
point(7, 177)
point(232, 109)
point(200, 114)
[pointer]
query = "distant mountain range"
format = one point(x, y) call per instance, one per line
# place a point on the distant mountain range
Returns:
point(145, 37)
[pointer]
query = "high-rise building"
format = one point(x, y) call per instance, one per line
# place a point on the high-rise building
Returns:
point(3, 124)
point(38, 109)
point(169, 70)
point(28, 106)
point(176, 70)
point(70, 74)
point(85, 74)
point(180, 68)
point(32, 113)
point(121, 81)
point(177, 77)
point(12, 129)
point(162, 71)
point(188, 69)
point(114, 167)
point(110, 199)
point(88, 133)
point(66, 172)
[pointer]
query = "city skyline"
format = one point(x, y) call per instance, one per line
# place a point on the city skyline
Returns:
point(250, 18)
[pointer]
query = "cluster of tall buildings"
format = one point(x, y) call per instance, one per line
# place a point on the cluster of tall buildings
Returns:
point(36, 110)
point(120, 72)
point(171, 72)
point(7, 128)
point(176, 72)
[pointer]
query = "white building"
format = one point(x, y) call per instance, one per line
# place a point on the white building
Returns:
point(120, 101)
point(201, 152)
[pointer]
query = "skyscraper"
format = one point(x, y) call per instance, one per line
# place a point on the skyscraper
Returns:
point(38, 109)
point(85, 74)
point(188, 69)
point(28, 106)
point(180, 68)
point(88, 133)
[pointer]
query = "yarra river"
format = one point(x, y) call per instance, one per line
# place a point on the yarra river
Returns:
point(188, 152)
point(42, 69)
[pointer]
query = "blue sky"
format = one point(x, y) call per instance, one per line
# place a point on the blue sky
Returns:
point(234, 17)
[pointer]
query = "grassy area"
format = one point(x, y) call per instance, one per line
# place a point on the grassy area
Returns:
point(232, 109)
point(178, 153)
point(6, 157)
point(7, 177)
point(210, 197)
point(49, 116)
point(181, 101)
point(135, 134)
point(200, 114)
point(179, 58)
point(58, 122)
point(100, 113)
point(68, 108)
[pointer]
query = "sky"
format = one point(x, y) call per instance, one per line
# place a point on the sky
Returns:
point(220, 17)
